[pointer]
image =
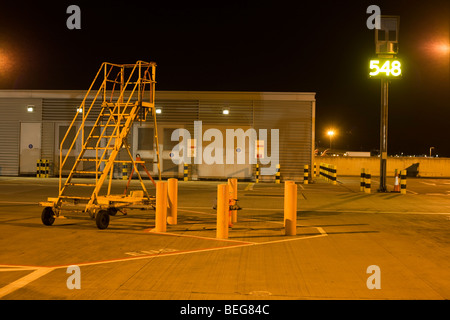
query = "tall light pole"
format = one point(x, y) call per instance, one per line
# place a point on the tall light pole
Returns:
point(431, 148)
point(386, 47)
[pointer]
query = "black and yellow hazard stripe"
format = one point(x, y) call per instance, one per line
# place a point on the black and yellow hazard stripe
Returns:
point(257, 173)
point(278, 174)
point(186, 172)
point(124, 171)
point(46, 168)
point(38, 168)
point(333, 170)
point(42, 168)
point(403, 182)
point(362, 184)
point(368, 181)
point(305, 174)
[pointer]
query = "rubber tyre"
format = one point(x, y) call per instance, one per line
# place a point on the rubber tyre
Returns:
point(102, 219)
point(48, 216)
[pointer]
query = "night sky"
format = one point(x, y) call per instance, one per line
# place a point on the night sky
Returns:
point(294, 46)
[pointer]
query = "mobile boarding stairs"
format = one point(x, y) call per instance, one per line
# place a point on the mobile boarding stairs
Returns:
point(119, 96)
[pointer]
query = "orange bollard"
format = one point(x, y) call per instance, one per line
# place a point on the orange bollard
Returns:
point(232, 183)
point(285, 198)
point(222, 211)
point(161, 206)
point(290, 209)
point(172, 191)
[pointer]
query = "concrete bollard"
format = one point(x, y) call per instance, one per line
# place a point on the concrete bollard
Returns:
point(42, 168)
point(333, 174)
point(186, 172)
point(286, 198)
point(124, 171)
point(172, 192)
point(161, 206)
point(403, 182)
point(278, 174)
point(222, 211)
point(232, 183)
point(290, 209)
point(305, 174)
point(367, 181)
point(362, 184)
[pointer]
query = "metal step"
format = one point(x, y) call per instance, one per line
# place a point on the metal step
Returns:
point(111, 125)
point(97, 137)
point(93, 160)
point(87, 172)
point(74, 198)
point(80, 184)
point(100, 148)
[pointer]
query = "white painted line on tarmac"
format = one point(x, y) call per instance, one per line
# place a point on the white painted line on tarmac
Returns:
point(428, 183)
point(392, 186)
point(197, 237)
point(249, 187)
point(22, 282)
point(312, 210)
point(41, 271)
point(18, 202)
point(374, 211)
point(199, 212)
point(7, 267)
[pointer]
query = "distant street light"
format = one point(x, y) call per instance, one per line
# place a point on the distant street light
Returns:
point(443, 48)
point(331, 133)
point(430, 150)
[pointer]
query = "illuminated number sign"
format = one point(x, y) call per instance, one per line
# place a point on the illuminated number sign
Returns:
point(385, 68)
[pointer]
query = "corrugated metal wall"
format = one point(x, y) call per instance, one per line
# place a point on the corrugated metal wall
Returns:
point(292, 117)
point(13, 111)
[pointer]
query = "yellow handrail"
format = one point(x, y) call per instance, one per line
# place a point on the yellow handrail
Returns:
point(118, 110)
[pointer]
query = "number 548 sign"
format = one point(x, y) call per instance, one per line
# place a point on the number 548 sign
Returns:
point(385, 68)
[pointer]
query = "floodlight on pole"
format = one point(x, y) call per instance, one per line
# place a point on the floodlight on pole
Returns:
point(331, 133)
point(386, 48)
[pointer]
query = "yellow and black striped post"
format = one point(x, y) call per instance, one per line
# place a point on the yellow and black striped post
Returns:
point(257, 173)
point(42, 168)
point(315, 170)
point(305, 174)
point(186, 172)
point(368, 181)
point(46, 168)
point(362, 184)
point(403, 182)
point(333, 174)
point(38, 168)
point(124, 171)
point(278, 173)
